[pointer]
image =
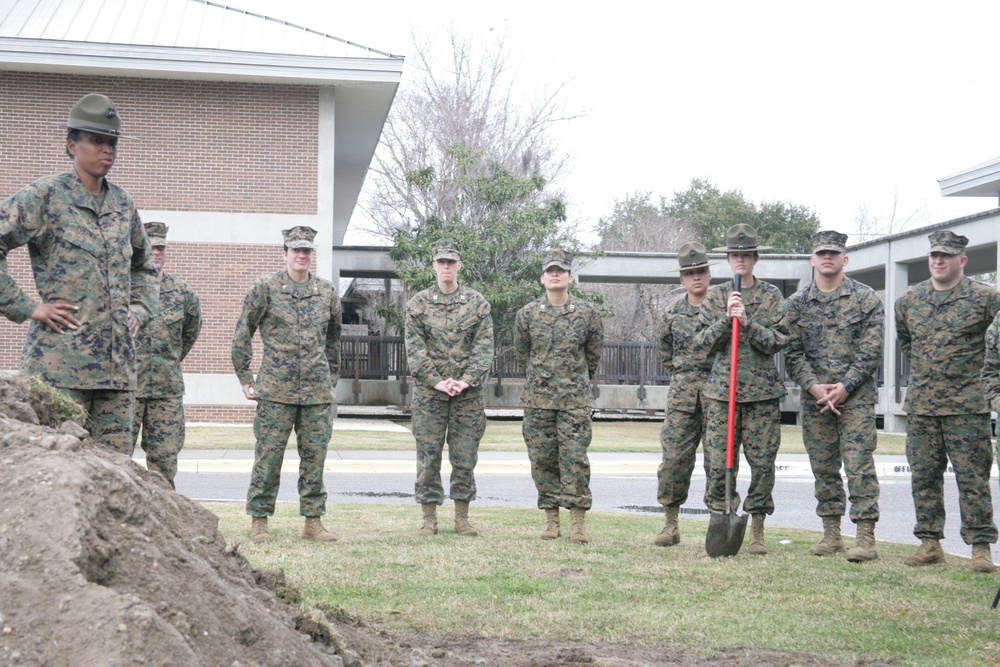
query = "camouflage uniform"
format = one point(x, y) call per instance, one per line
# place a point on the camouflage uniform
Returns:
point(448, 336)
point(837, 337)
point(688, 365)
point(991, 370)
point(300, 327)
point(560, 349)
point(943, 336)
point(162, 346)
point(758, 389)
point(91, 251)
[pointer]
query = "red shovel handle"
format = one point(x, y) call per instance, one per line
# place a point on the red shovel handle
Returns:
point(734, 355)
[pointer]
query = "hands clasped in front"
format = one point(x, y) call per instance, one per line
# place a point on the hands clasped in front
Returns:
point(451, 386)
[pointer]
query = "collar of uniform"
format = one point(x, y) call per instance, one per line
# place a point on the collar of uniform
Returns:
point(959, 291)
point(289, 286)
point(842, 290)
point(437, 296)
point(567, 307)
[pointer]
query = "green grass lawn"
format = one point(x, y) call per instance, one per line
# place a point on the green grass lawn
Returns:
point(501, 436)
point(620, 588)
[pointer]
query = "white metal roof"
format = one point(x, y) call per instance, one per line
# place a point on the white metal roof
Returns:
point(982, 180)
point(196, 24)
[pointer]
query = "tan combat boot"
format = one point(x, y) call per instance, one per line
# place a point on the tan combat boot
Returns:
point(551, 531)
point(832, 542)
point(314, 530)
point(864, 543)
point(430, 526)
point(757, 546)
point(671, 533)
point(258, 529)
point(930, 552)
point(982, 560)
point(462, 525)
point(578, 528)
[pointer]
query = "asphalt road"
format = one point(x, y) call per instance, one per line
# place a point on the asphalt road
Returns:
point(619, 483)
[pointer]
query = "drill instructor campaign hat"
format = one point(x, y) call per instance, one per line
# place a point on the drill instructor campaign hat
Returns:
point(97, 114)
point(741, 238)
point(691, 255)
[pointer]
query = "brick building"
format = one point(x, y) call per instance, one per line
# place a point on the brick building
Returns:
point(241, 126)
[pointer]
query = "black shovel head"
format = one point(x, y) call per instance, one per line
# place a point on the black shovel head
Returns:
point(725, 533)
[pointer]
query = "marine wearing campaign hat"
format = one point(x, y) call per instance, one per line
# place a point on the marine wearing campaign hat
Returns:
point(829, 240)
point(741, 238)
point(447, 249)
point(299, 237)
point(948, 242)
point(157, 233)
point(557, 257)
point(96, 113)
point(692, 255)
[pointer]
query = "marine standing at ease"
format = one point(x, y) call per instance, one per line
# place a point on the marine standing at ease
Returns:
point(836, 327)
point(558, 340)
point(298, 316)
point(688, 365)
point(161, 347)
point(449, 349)
point(941, 325)
point(760, 308)
point(94, 272)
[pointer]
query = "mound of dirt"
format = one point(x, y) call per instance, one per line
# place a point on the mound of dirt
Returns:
point(102, 564)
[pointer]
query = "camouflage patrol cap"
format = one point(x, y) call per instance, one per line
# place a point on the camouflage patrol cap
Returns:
point(948, 242)
point(96, 113)
point(829, 240)
point(446, 249)
point(299, 237)
point(741, 238)
point(557, 257)
point(157, 233)
point(692, 255)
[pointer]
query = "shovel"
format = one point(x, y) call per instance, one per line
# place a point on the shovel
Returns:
point(726, 529)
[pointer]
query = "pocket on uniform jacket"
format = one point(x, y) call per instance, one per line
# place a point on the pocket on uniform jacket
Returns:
point(85, 239)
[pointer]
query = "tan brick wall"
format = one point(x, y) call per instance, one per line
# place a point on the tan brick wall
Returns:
point(219, 414)
point(197, 146)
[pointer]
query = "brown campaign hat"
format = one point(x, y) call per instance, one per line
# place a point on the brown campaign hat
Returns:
point(741, 238)
point(97, 114)
point(691, 255)
point(157, 233)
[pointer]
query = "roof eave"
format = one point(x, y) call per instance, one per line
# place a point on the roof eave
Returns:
point(198, 64)
point(982, 180)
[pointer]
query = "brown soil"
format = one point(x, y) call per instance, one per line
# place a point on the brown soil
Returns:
point(103, 565)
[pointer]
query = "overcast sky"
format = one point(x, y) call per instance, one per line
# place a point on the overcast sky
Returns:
point(834, 106)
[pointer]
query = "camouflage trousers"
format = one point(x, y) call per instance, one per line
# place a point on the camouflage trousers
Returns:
point(459, 422)
point(849, 439)
point(162, 423)
point(758, 430)
point(557, 442)
point(109, 415)
point(273, 424)
point(965, 439)
point(679, 437)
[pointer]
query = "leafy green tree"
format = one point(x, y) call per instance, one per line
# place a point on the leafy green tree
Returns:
point(506, 224)
point(786, 227)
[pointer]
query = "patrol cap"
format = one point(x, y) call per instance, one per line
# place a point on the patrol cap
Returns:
point(157, 233)
point(96, 113)
point(557, 257)
point(447, 249)
point(829, 240)
point(741, 238)
point(948, 242)
point(692, 255)
point(299, 237)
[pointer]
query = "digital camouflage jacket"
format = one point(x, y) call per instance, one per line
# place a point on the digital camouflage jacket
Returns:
point(167, 339)
point(449, 336)
point(300, 327)
point(90, 251)
point(944, 338)
point(560, 349)
point(687, 362)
